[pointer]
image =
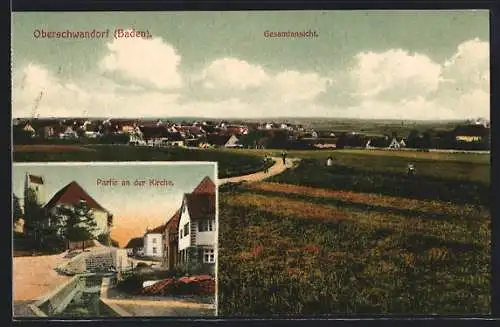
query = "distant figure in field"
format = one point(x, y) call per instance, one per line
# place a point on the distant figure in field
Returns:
point(329, 161)
point(411, 170)
point(283, 156)
point(266, 163)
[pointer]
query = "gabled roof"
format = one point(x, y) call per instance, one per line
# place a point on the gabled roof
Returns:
point(156, 230)
point(72, 194)
point(35, 179)
point(205, 186)
point(200, 206)
point(137, 242)
point(173, 223)
point(218, 139)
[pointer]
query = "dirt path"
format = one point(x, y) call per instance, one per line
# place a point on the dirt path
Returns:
point(275, 169)
point(34, 276)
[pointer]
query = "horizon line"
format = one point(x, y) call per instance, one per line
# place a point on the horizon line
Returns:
point(245, 118)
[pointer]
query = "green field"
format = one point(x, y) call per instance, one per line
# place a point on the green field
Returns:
point(462, 166)
point(230, 164)
point(359, 237)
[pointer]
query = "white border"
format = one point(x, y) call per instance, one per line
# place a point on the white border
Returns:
point(135, 163)
point(117, 163)
point(216, 239)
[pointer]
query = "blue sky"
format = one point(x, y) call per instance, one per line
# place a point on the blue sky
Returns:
point(364, 64)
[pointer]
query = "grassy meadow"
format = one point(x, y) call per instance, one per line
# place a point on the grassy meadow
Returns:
point(359, 237)
point(230, 164)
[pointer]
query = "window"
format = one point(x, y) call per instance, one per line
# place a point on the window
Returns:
point(180, 233)
point(186, 229)
point(203, 226)
point(208, 255)
point(206, 225)
point(154, 240)
point(154, 250)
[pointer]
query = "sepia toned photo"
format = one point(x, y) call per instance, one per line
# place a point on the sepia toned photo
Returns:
point(114, 240)
point(352, 151)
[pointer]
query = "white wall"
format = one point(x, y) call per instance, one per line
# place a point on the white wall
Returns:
point(39, 191)
point(208, 237)
point(120, 258)
point(101, 218)
point(149, 245)
point(184, 241)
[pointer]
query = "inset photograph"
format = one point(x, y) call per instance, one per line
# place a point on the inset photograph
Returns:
point(115, 239)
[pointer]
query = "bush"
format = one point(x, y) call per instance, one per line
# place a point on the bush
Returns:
point(142, 265)
point(132, 284)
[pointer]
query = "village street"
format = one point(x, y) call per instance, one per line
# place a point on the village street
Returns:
point(34, 276)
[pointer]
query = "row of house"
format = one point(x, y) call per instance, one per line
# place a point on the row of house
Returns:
point(188, 238)
point(205, 134)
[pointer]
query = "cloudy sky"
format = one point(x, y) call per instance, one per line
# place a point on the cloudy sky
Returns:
point(362, 64)
point(134, 208)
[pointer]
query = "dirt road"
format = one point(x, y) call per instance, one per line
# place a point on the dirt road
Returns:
point(34, 276)
point(276, 169)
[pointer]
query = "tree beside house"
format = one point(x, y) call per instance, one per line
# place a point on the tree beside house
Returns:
point(71, 218)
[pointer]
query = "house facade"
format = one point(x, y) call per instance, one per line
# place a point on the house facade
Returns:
point(72, 195)
point(153, 242)
point(135, 247)
point(171, 241)
point(232, 142)
point(197, 234)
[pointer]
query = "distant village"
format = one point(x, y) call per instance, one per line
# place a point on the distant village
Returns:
point(470, 135)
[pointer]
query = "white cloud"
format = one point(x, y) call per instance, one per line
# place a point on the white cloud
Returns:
point(292, 86)
point(389, 84)
point(229, 75)
point(394, 74)
point(233, 74)
point(37, 91)
point(150, 61)
point(470, 64)
point(97, 96)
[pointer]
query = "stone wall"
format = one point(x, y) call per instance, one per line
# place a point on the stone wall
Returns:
point(100, 262)
point(97, 260)
point(56, 301)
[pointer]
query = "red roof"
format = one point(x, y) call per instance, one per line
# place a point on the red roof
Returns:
point(173, 223)
point(72, 194)
point(156, 230)
point(205, 186)
point(35, 179)
point(200, 206)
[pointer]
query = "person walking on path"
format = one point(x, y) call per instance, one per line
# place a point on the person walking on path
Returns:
point(266, 164)
point(411, 170)
point(283, 156)
point(329, 161)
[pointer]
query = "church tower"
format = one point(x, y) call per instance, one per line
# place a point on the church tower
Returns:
point(36, 184)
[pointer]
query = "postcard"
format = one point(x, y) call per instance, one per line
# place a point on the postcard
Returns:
point(114, 239)
point(352, 150)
